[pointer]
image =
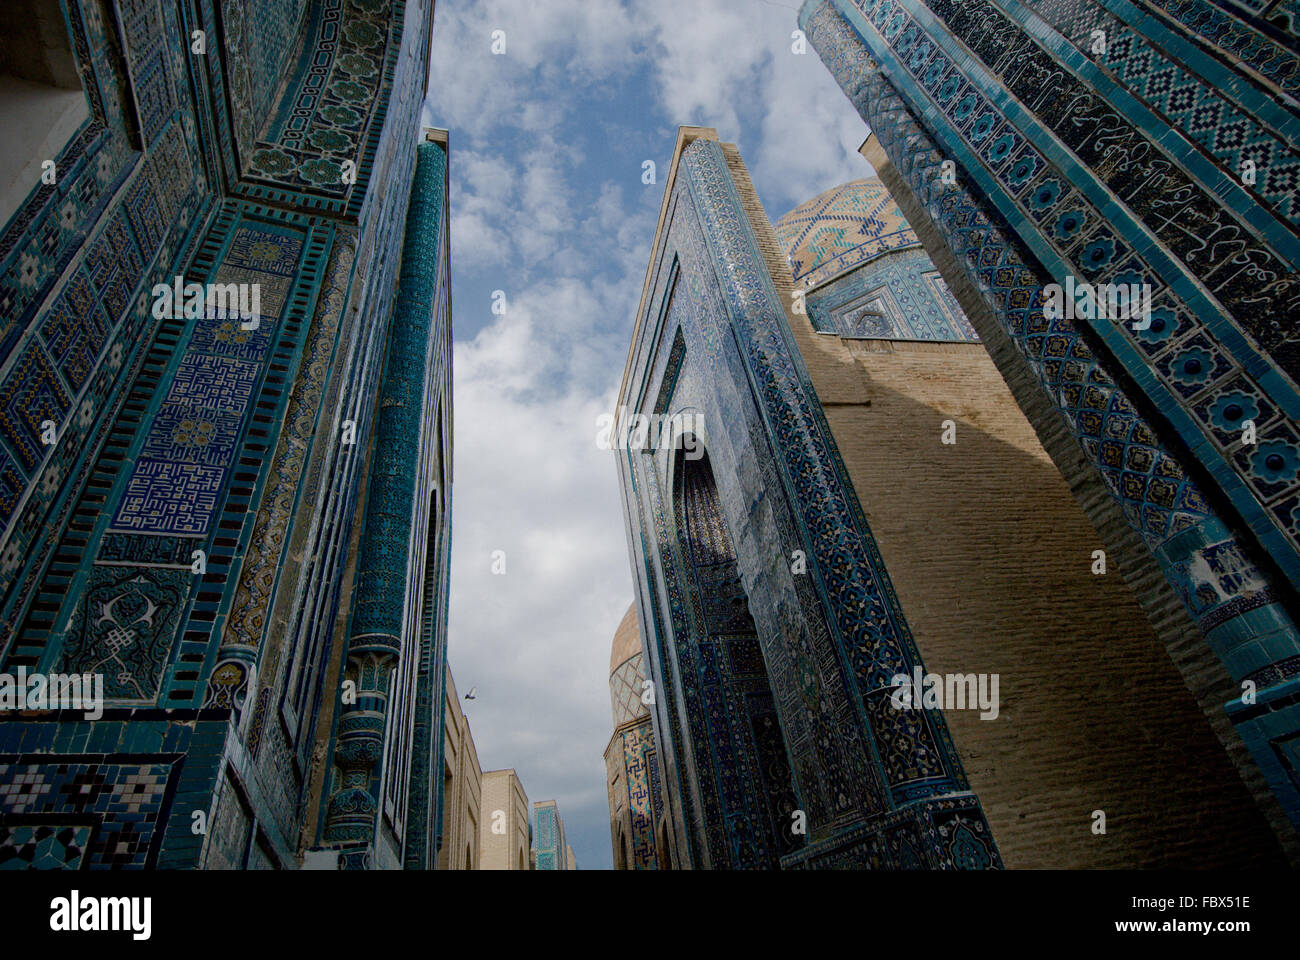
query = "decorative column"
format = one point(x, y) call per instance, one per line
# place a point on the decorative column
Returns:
point(376, 634)
point(1237, 604)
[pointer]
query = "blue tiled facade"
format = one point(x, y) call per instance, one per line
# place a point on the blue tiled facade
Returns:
point(192, 533)
point(549, 848)
point(772, 687)
point(861, 271)
point(897, 296)
point(1117, 142)
point(639, 833)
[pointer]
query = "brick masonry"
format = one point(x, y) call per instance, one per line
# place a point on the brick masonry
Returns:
point(1202, 672)
point(990, 555)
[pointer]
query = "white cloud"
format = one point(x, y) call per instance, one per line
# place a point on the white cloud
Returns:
point(548, 46)
point(477, 241)
point(732, 66)
point(566, 231)
point(531, 482)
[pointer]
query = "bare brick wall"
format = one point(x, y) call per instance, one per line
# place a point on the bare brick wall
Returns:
point(991, 558)
point(502, 791)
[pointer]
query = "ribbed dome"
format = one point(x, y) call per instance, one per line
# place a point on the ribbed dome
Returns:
point(841, 228)
point(626, 673)
point(627, 640)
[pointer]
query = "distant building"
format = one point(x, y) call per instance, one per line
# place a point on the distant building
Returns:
point(550, 850)
point(631, 762)
point(462, 790)
point(505, 834)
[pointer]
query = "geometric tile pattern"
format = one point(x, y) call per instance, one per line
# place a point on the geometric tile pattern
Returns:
point(1200, 19)
point(840, 228)
point(897, 296)
point(144, 36)
point(112, 265)
point(166, 497)
point(330, 97)
point(1046, 192)
point(259, 36)
point(192, 441)
point(625, 690)
point(33, 394)
point(637, 751)
point(11, 487)
point(1201, 110)
point(219, 383)
point(90, 812)
point(188, 433)
point(52, 846)
point(75, 330)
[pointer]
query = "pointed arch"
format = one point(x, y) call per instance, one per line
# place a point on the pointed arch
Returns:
point(735, 728)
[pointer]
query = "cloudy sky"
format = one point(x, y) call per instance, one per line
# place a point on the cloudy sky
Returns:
point(548, 142)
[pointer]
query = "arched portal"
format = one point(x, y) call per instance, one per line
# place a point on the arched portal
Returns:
point(664, 853)
point(741, 767)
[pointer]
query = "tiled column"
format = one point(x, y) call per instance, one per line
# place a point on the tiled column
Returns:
point(375, 639)
point(1236, 603)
